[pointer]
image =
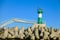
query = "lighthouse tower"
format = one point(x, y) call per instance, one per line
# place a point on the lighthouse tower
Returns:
point(40, 16)
point(40, 23)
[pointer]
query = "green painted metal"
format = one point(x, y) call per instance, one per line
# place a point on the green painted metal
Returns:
point(40, 11)
point(39, 20)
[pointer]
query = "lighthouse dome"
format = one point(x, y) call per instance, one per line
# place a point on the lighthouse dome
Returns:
point(40, 11)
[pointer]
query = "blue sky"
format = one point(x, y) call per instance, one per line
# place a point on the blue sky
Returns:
point(27, 10)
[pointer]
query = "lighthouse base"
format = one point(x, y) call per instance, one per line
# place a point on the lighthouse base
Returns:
point(38, 26)
point(41, 25)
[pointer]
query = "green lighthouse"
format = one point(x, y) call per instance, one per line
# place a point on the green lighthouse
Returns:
point(40, 16)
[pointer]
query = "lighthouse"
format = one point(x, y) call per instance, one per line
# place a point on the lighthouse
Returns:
point(40, 16)
point(40, 23)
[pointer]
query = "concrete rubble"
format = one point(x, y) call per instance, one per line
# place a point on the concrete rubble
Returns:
point(31, 33)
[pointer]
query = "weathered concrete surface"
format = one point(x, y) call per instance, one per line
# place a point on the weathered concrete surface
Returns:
point(36, 32)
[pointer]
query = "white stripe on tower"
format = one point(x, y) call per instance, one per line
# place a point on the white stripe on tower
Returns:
point(40, 15)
